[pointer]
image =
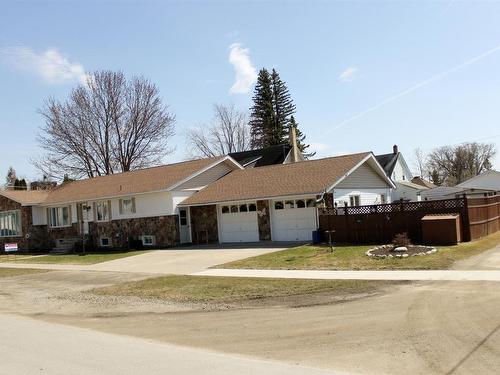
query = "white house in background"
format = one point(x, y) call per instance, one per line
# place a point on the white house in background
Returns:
point(397, 169)
point(485, 184)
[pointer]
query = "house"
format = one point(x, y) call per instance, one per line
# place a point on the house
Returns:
point(113, 210)
point(397, 169)
point(204, 200)
point(485, 184)
point(277, 202)
point(422, 182)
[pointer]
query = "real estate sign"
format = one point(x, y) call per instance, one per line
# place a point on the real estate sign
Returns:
point(10, 247)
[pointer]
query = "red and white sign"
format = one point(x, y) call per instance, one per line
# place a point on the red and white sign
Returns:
point(10, 247)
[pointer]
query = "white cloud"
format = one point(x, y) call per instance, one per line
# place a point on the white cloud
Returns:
point(50, 65)
point(245, 73)
point(348, 75)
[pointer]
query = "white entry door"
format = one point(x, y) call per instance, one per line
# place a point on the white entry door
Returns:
point(184, 227)
point(238, 223)
point(293, 220)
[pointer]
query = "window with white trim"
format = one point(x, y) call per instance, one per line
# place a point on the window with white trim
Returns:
point(59, 216)
point(127, 206)
point(10, 223)
point(105, 242)
point(148, 240)
point(354, 200)
point(242, 208)
point(102, 211)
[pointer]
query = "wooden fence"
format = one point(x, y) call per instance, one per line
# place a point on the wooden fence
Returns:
point(484, 216)
point(380, 223)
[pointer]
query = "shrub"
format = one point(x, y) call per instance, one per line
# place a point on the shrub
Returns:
point(401, 239)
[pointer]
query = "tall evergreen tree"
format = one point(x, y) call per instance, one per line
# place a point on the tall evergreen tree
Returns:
point(262, 113)
point(300, 137)
point(11, 177)
point(272, 112)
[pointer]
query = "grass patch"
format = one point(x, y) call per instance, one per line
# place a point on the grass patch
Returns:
point(203, 289)
point(9, 272)
point(354, 258)
point(90, 258)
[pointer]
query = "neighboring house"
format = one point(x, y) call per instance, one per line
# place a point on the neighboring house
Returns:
point(422, 182)
point(114, 209)
point(278, 202)
point(397, 169)
point(485, 184)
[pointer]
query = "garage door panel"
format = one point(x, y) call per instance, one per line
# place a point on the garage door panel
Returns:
point(294, 224)
point(239, 227)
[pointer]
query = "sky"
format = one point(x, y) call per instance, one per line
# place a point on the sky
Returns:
point(364, 75)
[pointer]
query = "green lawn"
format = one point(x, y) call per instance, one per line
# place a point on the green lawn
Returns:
point(354, 258)
point(230, 289)
point(91, 258)
point(8, 272)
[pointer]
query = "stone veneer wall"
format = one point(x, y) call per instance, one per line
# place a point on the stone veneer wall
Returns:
point(264, 220)
point(164, 228)
point(204, 218)
point(38, 239)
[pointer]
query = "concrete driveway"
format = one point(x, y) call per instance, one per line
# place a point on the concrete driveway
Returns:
point(182, 261)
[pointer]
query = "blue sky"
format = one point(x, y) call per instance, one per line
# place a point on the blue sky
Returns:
point(364, 75)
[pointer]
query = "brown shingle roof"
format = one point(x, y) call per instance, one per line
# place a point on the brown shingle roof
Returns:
point(26, 197)
point(139, 181)
point(306, 177)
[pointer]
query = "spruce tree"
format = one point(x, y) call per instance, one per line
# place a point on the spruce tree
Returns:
point(11, 177)
point(300, 137)
point(262, 113)
point(283, 108)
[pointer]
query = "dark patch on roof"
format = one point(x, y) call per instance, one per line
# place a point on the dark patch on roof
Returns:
point(263, 156)
point(387, 161)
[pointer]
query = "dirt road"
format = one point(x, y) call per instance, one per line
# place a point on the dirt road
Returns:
point(438, 327)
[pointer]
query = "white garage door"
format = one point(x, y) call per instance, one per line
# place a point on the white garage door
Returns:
point(239, 223)
point(293, 220)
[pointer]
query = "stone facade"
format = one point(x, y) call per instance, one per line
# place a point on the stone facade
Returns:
point(264, 220)
point(121, 232)
point(203, 223)
point(32, 238)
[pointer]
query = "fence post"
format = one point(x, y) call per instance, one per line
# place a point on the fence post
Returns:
point(466, 230)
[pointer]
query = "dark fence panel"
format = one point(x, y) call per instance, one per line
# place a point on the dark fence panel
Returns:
point(484, 215)
point(380, 223)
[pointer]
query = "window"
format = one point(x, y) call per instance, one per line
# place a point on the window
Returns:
point(102, 211)
point(60, 216)
point(354, 200)
point(278, 205)
point(183, 217)
point(234, 209)
point(300, 203)
point(310, 203)
point(225, 209)
point(252, 207)
point(104, 242)
point(10, 223)
point(148, 240)
point(243, 208)
point(383, 199)
point(127, 206)
point(289, 204)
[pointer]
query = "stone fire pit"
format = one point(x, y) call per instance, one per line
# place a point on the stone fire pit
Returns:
point(391, 251)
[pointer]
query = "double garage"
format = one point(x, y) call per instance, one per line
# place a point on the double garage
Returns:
point(290, 220)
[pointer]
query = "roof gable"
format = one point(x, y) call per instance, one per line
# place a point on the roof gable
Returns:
point(26, 197)
point(133, 182)
point(305, 177)
point(489, 180)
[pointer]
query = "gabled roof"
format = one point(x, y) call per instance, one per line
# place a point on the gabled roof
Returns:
point(422, 182)
point(411, 185)
point(305, 177)
point(262, 156)
point(26, 197)
point(489, 180)
point(388, 162)
point(134, 182)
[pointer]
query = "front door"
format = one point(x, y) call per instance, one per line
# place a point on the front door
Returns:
point(184, 225)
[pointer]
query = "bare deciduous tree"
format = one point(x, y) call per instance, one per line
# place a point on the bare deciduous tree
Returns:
point(229, 132)
point(455, 164)
point(420, 162)
point(108, 125)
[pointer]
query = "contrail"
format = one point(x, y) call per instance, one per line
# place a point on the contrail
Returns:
point(415, 87)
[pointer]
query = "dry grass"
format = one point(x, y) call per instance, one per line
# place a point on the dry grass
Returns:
point(203, 289)
point(354, 258)
point(91, 258)
point(9, 272)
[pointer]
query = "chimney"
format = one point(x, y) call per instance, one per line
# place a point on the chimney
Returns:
point(395, 149)
point(293, 143)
